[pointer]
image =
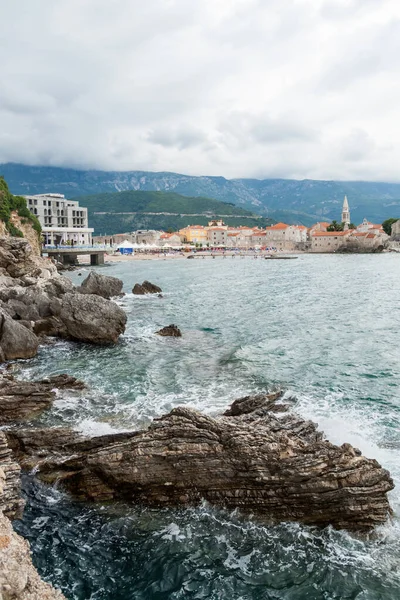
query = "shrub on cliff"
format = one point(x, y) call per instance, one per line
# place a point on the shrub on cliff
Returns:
point(9, 203)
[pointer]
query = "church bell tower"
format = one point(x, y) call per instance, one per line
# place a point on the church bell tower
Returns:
point(346, 213)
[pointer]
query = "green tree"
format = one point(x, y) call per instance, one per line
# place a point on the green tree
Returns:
point(387, 225)
point(352, 226)
point(335, 226)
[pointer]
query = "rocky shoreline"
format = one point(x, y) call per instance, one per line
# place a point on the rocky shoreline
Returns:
point(259, 456)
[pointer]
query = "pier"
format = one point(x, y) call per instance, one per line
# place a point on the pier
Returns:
point(68, 255)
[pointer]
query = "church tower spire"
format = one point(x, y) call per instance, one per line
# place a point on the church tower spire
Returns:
point(346, 212)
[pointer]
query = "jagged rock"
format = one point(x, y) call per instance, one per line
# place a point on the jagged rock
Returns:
point(138, 290)
point(16, 341)
point(277, 467)
point(23, 400)
point(91, 318)
point(170, 330)
point(63, 381)
point(146, 288)
point(101, 285)
point(151, 288)
point(18, 578)
point(10, 502)
point(17, 259)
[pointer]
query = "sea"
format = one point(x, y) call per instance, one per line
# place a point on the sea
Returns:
point(325, 328)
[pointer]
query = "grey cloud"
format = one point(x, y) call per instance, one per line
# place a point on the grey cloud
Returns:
point(182, 138)
point(219, 87)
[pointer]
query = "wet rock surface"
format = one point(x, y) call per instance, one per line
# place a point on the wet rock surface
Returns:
point(146, 288)
point(170, 331)
point(258, 457)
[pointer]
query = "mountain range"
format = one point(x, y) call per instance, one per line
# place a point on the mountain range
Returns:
point(293, 201)
point(119, 212)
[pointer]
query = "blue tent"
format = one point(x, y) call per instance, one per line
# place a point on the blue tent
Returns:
point(125, 247)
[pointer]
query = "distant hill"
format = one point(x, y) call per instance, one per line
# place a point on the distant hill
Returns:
point(281, 199)
point(119, 212)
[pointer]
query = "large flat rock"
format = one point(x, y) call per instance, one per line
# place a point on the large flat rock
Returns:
point(259, 458)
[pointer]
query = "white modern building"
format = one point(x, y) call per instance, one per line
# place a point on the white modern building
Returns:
point(63, 221)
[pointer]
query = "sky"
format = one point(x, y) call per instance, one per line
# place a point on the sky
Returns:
point(237, 88)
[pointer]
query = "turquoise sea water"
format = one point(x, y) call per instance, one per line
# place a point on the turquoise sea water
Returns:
point(323, 327)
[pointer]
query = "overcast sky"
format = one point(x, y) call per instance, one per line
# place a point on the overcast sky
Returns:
point(239, 88)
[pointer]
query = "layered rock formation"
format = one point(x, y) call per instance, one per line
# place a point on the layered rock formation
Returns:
point(35, 300)
point(23, 400)
point(258, 457)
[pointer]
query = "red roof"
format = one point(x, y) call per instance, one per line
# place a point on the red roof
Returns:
point(278, 226)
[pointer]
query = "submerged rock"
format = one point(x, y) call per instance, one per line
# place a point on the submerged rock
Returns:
point(170, 331)
point(101, 285)
point(146, 288)
point(277, 466)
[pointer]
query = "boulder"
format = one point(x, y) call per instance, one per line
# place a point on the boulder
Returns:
point(170, 331)
point(91, 318)
point(138, 290)
point(277, 467)
point(146, 288)
point(101, 285)
point(16, 341)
